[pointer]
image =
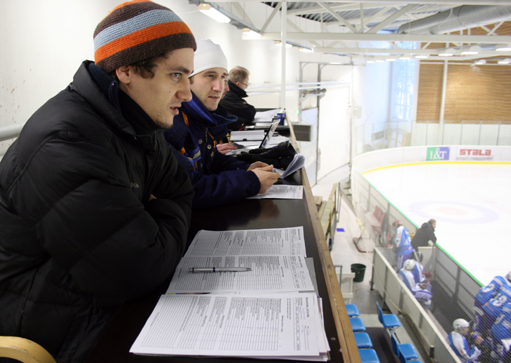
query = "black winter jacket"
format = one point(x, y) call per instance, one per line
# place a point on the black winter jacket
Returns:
point(78, 236)
point(423, 235)
point(234, 104)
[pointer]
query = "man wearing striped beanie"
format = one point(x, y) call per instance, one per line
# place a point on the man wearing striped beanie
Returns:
point(94, 208)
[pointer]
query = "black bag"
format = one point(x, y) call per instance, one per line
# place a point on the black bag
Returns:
point(279, 156)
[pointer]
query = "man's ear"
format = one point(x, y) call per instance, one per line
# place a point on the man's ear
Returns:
point(124, 74)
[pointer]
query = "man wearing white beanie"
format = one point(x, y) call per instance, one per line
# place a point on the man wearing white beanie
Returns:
point(217, 179)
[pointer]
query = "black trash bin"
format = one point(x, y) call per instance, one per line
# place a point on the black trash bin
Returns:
point(359, 271)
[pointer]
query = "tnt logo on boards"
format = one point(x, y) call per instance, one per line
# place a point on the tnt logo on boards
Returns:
point(437, 153)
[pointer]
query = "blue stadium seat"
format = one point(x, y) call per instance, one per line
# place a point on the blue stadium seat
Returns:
point(406, 350)
point(389, 321)
point(357, 324)
point(352, 310)
point(402, 359)
point(363, 340)
point(368, 356)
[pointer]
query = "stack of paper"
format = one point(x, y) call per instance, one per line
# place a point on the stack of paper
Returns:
point(271, 311)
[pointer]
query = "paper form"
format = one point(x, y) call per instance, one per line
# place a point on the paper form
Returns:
point(249, 242)
point(269, 274)
point(275, 325)
point(281, 192)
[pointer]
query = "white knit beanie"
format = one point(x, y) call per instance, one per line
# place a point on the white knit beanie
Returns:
point(208, 55)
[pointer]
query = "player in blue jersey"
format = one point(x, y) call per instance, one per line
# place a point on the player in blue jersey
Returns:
point(501, 333)
point(421, 288)
point(458, 342)
point(485, 294)
point(402, 245)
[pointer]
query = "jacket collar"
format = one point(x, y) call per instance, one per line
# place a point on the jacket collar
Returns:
point(115, 106)
point(237, 90)
point(196, 111)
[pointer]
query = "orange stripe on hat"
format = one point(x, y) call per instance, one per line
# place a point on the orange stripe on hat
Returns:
point(139, 37)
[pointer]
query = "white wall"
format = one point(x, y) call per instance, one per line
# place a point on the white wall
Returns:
point(44, 42)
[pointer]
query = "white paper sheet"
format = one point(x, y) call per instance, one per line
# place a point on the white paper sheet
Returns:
point(281, 192)
point(249, 242)
point(297, 162)
point(269, 274)
point(278, 325)
point(248, 135)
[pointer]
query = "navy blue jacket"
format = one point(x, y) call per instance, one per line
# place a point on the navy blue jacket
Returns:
point(216, 178)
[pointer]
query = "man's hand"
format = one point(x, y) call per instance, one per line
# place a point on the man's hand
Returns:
point(225, 148)
point(257, 164)
point(151, 197)
point(266, 177)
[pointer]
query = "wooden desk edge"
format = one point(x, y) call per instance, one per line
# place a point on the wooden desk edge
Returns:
point(346, 338)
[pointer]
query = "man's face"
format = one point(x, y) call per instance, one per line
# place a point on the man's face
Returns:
point(243, 85)
point(161, 96)
point(209, 86)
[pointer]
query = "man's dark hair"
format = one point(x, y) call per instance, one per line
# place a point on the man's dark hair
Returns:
point(144, 68)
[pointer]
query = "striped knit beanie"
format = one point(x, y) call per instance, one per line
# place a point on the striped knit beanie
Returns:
point(138, 30)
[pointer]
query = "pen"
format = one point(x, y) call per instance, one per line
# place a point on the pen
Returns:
point(219, 269)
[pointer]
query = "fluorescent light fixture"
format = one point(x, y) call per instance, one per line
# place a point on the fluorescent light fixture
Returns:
point(278, 43)
point(390, 59)
point(449, 52)
point(307, 50)
point(370, 61)
point(503, 48)
point(213, 13)
point(249, 33)
point(504, 61)
point(475, 49)
point(421, 56)
point(379, 61)
point(480, 61)
point(405, 58)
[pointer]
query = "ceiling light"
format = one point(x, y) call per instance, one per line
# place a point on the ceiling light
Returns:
point(379, 61)
point(213, 13)
point(449, 52)
point(278, 43)
point(421, 56)
point(404, 58)
point(391, 59)
point(480, 61)
point(504, 61)
point(250, 34)
point(307, 50)
point(475, 49)
point(370, 61)
point(503, 48)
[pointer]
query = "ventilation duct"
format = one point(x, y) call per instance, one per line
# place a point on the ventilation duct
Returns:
point(462, 17)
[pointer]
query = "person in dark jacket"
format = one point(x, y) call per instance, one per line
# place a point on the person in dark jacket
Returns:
point(94, 208)
point(234, 102)
point(424, 234)
point(217, 178)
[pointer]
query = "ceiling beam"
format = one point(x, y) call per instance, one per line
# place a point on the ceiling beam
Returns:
point(369, 3)
point(375, 29)
point(391, 37)
point(394, 51)
point(338, 17)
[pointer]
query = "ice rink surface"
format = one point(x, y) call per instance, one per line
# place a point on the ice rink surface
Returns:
point(471, 203)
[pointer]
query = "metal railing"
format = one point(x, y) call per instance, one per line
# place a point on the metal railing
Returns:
point(383, 135)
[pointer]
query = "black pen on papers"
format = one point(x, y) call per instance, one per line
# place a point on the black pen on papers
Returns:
point(219, 269)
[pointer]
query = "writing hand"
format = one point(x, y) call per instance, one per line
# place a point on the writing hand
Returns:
point(257, 164)
point(266, 177)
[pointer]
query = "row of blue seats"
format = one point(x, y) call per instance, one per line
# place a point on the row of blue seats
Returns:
point(405, 352)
